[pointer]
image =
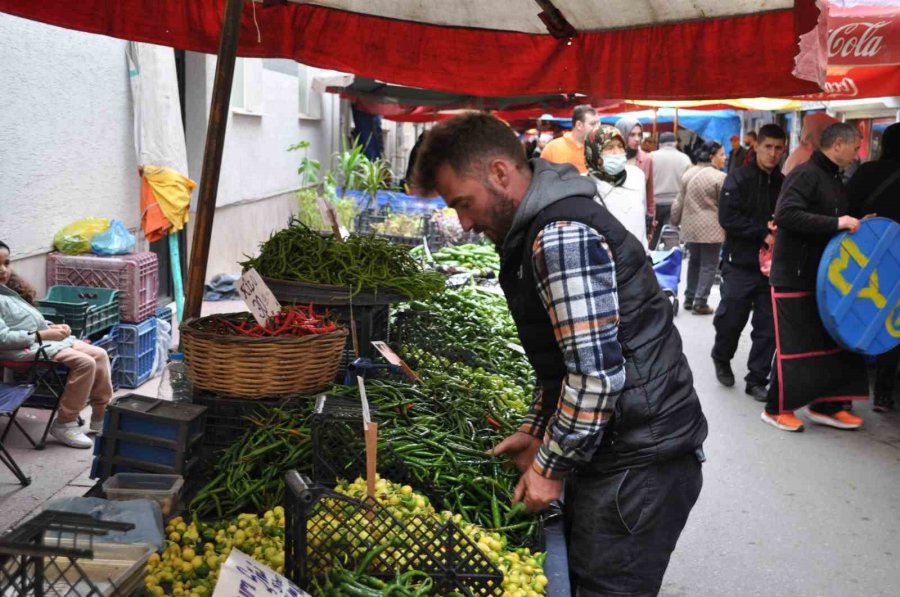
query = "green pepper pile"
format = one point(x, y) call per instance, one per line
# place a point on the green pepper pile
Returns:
point(359, 262)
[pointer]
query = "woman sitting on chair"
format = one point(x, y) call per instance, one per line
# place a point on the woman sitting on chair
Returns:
point(23, 330)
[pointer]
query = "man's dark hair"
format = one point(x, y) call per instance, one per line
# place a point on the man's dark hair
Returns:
point(580, 112)
point(838, 130)
point(461, 142)
point(752, 135)
point(771, 131)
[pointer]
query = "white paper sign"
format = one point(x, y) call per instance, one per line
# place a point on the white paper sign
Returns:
point(367, 416)
point(257, 296)
point(242, 576)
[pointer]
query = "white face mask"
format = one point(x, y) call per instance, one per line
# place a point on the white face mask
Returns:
point(614, 164)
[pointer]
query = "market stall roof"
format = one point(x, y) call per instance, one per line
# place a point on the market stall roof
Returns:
point(655, 49)
point(712, 125)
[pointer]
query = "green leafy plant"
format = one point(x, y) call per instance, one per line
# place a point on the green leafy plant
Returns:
point(374, 176)
point(309, 169)
point(349, 163)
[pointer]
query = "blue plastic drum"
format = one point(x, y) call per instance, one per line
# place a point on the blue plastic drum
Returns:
point(858, 287)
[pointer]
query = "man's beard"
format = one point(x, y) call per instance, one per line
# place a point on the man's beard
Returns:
point(503, 211)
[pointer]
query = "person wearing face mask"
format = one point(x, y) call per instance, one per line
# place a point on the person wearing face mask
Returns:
point(696, 210)
point(633, 133)
point(620, 186)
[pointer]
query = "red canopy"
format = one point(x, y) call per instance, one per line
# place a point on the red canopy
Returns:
point(692, 49)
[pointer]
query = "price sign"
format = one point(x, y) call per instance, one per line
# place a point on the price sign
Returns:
point(242, 575)
point(257, 296)
point(331, 219)
point(515, 347)
point(391, 357)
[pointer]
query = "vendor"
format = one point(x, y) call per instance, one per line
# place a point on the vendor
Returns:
point(615, 413)
point(23, 330)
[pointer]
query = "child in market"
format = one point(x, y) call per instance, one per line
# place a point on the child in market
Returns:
point(23, 331)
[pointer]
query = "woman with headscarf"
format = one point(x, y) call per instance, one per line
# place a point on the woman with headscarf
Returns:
point(696, 210)
point(620, 186)
point(813, 127)
point(875, 189)
point(633, 132)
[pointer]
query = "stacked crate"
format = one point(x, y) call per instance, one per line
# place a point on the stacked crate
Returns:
point(146, 435)
point(136, 277)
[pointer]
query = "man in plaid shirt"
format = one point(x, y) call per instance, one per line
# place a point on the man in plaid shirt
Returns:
point(615, 415)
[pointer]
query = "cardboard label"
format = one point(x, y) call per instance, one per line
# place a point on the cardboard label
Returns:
point(391, 357)
point(331, 218)
point(257, 296)
point(242, 576)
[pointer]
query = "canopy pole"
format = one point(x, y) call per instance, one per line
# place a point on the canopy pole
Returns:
point(655, 133)
point(675, 124)
point(212, 157)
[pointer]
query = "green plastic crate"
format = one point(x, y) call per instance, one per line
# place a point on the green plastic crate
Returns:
point(86, 310)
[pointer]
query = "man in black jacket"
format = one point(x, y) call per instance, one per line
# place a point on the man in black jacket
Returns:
point(810, 369)
point(746, 211)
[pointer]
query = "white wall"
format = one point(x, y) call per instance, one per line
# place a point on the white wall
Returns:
point(256, 164)
point(66, 147)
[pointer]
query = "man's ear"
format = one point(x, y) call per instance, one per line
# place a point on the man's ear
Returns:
point(499, 172)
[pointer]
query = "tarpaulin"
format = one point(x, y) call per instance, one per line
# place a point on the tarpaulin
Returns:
point(693, 49)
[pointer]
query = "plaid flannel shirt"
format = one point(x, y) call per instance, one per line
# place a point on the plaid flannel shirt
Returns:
point(576, 281)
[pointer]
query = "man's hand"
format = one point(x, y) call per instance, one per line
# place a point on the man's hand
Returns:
point(536, 491)
point(848, 223)
point(520, 447)
point(769, 240)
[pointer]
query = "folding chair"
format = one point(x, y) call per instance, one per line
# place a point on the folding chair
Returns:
point(11, 398)
point(49, 381)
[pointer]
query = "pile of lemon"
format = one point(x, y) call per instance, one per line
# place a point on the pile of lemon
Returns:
point(189, 565)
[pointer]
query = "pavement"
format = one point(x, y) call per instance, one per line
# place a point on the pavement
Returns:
point(813, 514)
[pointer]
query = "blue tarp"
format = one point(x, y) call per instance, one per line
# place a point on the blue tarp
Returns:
point(398, 202)
point(711, 125)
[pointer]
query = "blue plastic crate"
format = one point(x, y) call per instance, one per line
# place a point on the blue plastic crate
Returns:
point(136, 339)
point(113, 447)
point(164, 313)
point(133, 372)
point(154, 419)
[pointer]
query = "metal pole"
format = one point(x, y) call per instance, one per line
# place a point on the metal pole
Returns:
point(212, 157)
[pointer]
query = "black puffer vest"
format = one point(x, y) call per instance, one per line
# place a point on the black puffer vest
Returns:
point(658, 416)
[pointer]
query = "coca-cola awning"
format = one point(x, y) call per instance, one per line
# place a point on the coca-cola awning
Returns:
point(854, 50)
point(653, 49)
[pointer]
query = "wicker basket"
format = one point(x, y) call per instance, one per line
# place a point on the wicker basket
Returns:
point(249, 367)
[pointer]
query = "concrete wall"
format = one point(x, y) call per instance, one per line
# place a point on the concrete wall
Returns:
point(66, 146)
point(259, 177)
point(67, 150)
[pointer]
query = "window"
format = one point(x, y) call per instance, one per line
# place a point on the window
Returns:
point(247, 87)
point(310, 102)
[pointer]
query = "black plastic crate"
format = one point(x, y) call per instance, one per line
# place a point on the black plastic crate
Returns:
point(371, 221)
point(324, 528)
point(46, 555)
point(338, 440)
point(104, 467)
point(226, 418)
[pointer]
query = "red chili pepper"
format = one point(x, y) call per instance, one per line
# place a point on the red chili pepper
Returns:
point(494, 423)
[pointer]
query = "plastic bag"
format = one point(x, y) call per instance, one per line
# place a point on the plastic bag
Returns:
point(144, 514)
point(765, 260)
point(76, 237)
point(114, 241)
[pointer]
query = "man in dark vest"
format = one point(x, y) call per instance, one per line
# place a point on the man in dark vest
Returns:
point(615, 414)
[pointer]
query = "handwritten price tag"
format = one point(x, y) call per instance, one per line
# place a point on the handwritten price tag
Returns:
point(242, 575)
point(257, 296)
